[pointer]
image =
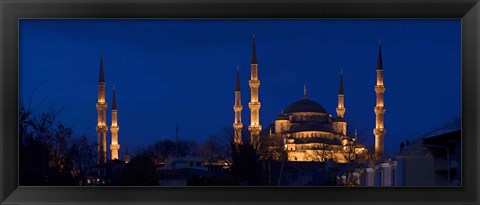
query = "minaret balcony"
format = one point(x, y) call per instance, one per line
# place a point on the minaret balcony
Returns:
point(379, 131)
point(237, 125)
point(380, 89)
point(101, 106)
point(237, 108)
point(254, 83)
point(379, 110)
point(254, 105)
point(254, 128)
point(101, 128)
point(114, 128)
point(114, 147)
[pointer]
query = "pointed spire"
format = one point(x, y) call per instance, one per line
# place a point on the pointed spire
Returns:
point(114, 101)
point(254, 51)
point(238, 80)
point(379, 64)
point(340, 90)
point(304, 91)
point(101, 76)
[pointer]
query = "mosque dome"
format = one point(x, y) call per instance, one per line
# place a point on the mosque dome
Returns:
point(305, 105)
point(283, 117)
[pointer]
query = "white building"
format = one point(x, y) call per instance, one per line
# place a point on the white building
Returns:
point(384, 174)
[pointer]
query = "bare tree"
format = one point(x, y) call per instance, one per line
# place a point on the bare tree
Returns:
point(213, 149)
point(84, 155)
point(355, 156)
point(163, 149)
point(323, 151)
point(49, 152)
point(271, 147)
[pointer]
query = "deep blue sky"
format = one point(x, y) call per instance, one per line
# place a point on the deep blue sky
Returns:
point(182, 72)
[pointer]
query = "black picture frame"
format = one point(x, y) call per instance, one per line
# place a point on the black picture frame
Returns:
point(11, 11)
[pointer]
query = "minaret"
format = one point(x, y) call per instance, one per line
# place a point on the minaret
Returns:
point(379, 130)
point(340, 125)
point(237, 108)
point(102, 127)
point(114, 146)
point(254, 104)
point(341, 103)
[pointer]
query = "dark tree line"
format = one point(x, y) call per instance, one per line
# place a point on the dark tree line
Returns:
point(245, 167)
point(140, 171)
point(163, 149)
point(49, 153)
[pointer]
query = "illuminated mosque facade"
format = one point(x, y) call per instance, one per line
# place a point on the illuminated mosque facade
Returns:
point(306, 129)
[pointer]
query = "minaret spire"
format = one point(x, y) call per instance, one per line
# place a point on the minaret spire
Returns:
point(101, 127)
point(341, 97)
point(379, 109)
point(101, 75)
point(237, 88)
point(254, 51)
point(340, 89)
point(340, 121)
point(379, 63)
point(254, 128)
point(237, 108)
point(114, 146)
point(114, 100)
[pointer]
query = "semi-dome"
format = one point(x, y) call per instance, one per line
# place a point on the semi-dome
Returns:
point(305, 105)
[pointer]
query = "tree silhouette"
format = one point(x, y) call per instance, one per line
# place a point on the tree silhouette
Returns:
point(49, 154)
point(244, 167)
point(140, 171)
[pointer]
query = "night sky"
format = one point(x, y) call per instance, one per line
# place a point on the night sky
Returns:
point(182, 72)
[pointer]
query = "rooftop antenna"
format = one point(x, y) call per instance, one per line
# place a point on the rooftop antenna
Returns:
point(176, 143)
point(304, 91)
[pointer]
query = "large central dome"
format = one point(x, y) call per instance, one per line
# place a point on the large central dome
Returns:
point(305, 105)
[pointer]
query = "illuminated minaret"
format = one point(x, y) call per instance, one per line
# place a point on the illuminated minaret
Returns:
point(340, 125)
point(254, 104)
point(341, 102)
point(379, 130)
point(114, 146)
point(102, 127)
point(237, 108)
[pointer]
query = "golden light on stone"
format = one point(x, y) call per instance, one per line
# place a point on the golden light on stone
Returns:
point(332, 141)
